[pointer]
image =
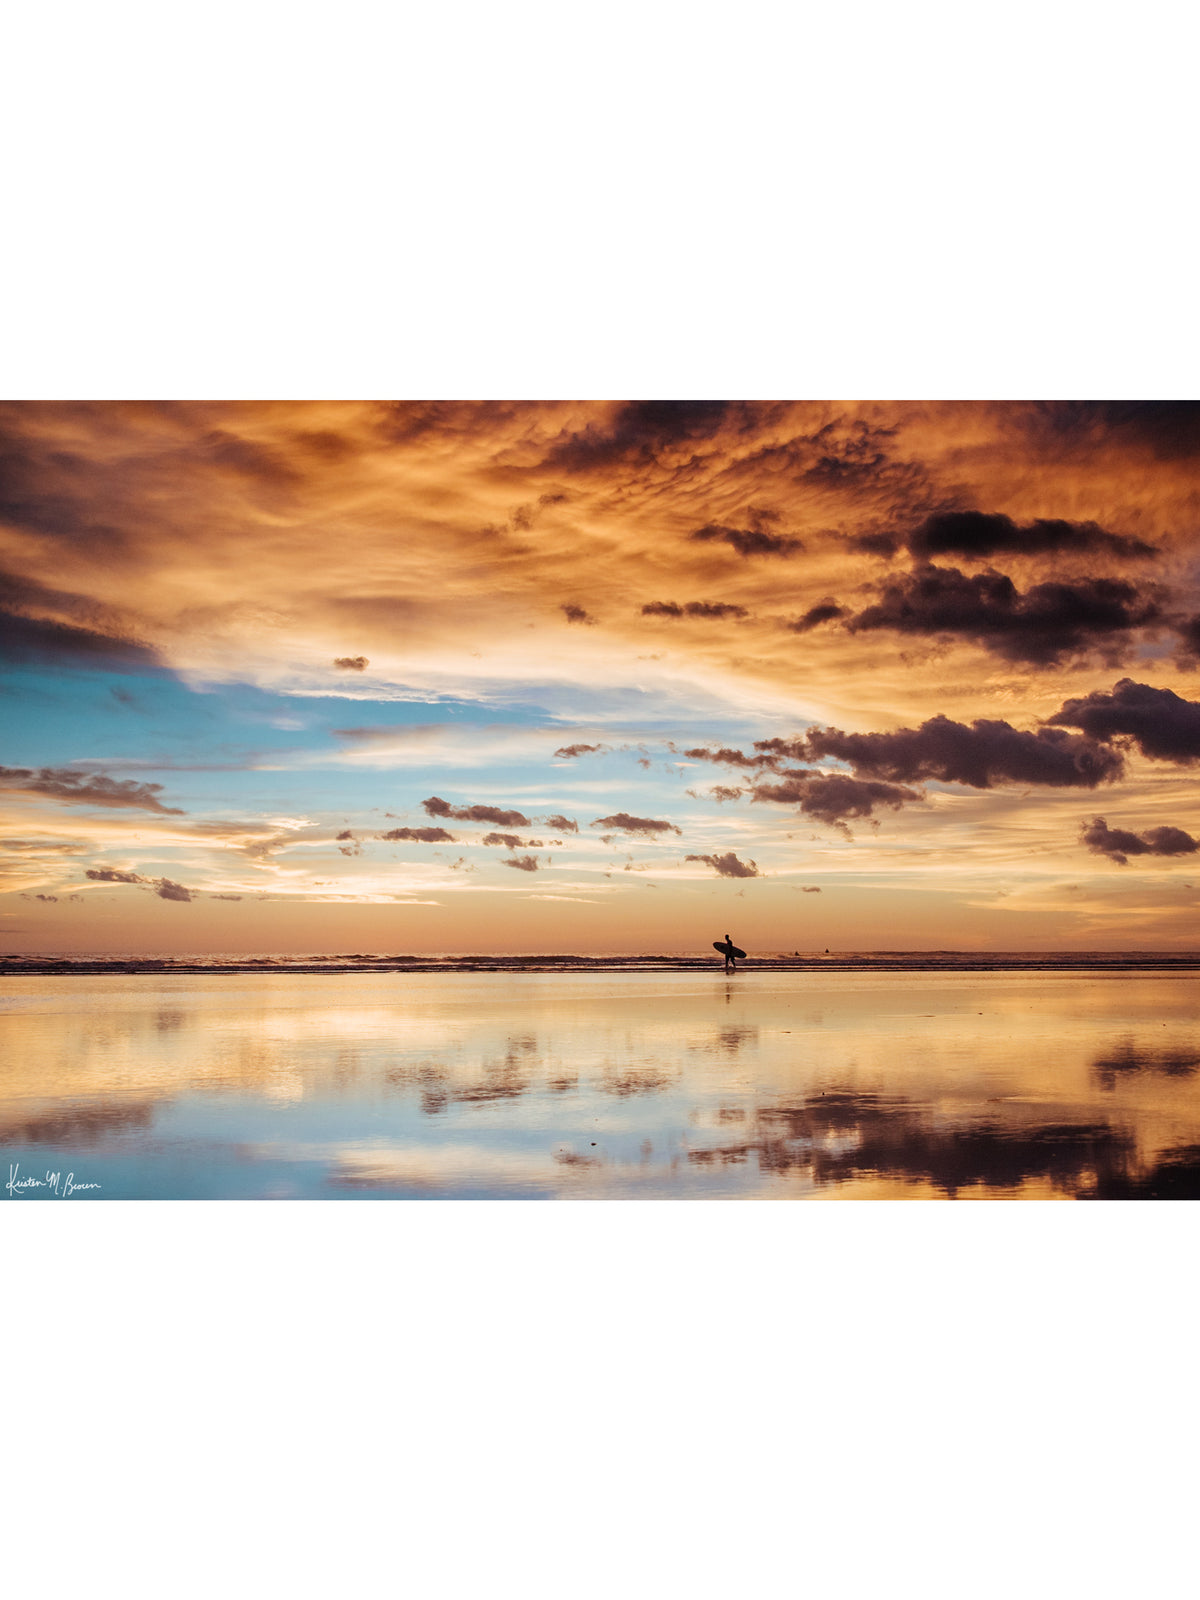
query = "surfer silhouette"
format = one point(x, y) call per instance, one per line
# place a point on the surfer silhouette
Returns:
point(731, 953)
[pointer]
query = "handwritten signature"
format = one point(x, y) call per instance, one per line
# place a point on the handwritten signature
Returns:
point(55, 1182)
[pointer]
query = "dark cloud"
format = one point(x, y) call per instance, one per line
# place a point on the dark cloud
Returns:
point(1158, 721)
point(163, 887)
point(81, 789)
point(420, 835)
point(521, 863)
point(986, 753)
point(728, 865)
point(510, 841)
point(749, 541)
point(1188, 629)
point(562, 824)
point(720, 792)
point(729, 757)
point(46, 491)
point(351, 663)
point(826, 611)
point(622, 822)
point(578, 614)
point(225, 897)
point(503, 819)
point(979, 534)
point(1118, 844)
point(345, 834)
point(166, 890)
point(523, 517)
point(852, 455)
point(809, 888)
point(846, 456)
point(91, 636)
point(694, 608)
point(568, 752)
point(1168, 429)
point(773, 751)
point(436, 807)
point(29, 639)
point(1048, 622)
point(640, 433)
point(833, 797)
point(875, 544)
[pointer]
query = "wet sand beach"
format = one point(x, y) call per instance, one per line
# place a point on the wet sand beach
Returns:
point(607, 1080)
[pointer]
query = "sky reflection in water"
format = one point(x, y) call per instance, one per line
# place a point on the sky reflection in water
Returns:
point(643, 1085)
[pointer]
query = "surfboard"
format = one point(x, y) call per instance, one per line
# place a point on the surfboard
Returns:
point(729, 950)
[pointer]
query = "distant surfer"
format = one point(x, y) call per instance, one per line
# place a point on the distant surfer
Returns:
point(731, 953)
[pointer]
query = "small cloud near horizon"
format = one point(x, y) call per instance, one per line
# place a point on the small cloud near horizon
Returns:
point(694, 608)
point(562, 824)
point(435, 806)
point(419, 835)
point(521, 863)
point(728, 865)
point(622, 822)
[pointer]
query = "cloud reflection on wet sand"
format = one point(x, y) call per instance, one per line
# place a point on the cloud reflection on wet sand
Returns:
point(843, 1136)
point(609, 1085)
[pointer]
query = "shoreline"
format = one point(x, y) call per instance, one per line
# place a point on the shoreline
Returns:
point(874, 961)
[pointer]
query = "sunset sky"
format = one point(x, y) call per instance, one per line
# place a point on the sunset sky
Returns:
point(599, 676)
